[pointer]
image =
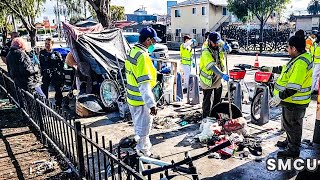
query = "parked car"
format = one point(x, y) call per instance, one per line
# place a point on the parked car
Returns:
point(26, 37)
point(43, 37)
point(55, 35)
point(160, 51)
point(234, 45)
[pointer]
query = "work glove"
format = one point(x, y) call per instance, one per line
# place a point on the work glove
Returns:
point(265, 69)
point(40, 92)
point(274, 101)
point(226, 47)
point(225, 77)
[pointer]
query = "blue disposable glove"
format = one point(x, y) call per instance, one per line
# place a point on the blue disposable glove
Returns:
point(225, 77)
point(226, 47)
point(193, 65)
point(194, 41)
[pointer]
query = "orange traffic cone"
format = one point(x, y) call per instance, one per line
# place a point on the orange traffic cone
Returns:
point(256, 63)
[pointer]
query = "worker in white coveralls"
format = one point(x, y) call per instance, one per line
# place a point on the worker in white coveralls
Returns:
point(186, 58)
point(141, 78)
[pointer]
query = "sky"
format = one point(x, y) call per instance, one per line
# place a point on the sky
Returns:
point(160, 7)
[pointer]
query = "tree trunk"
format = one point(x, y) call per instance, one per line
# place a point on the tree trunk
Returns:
point(32, 35)
point(103, 19)
point(4, 35)
point(261, 35)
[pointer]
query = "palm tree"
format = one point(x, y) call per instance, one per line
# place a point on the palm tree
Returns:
point(314, 7)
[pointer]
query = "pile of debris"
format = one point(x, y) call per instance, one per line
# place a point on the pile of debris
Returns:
point(215, 131)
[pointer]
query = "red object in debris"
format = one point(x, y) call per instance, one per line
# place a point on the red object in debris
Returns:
point(234, 124)
point(237, 74)
point(262, 76)
point(228, 151)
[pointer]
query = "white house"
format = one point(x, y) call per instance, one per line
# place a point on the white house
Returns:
point(196, 17)
point(307, 22)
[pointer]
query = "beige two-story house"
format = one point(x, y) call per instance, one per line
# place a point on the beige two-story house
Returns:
point(195, 17)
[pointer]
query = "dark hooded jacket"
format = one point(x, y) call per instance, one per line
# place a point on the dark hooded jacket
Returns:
point(21, 68)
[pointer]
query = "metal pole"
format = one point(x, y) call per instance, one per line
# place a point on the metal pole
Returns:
point(79, 148)
point(228, 84)
point(195, 59)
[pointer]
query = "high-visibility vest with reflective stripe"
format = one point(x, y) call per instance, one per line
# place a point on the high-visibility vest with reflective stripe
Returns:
point(206, 63)
point(315, 52)
point(139, 69)
point(296, 75)
point(186, 55)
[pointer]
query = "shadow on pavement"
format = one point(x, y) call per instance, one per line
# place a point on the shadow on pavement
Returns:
point(167, 135)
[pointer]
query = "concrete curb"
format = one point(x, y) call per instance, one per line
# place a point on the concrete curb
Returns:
point(263, 54)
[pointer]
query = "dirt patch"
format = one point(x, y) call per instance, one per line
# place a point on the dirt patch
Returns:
point(22, 155)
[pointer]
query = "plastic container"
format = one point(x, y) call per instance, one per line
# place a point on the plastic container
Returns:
point(262, 76)
point(168, 82)
point(237, 74)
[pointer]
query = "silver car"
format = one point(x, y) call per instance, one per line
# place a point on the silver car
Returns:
point(160, 51)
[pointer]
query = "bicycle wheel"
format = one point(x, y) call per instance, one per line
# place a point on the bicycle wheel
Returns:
point(256, 105)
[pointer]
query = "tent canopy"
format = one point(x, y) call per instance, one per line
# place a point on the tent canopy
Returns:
point(97, 47)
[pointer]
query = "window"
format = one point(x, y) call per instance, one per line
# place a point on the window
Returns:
point(194, 31)
point(178, 32)
point(224, 11)
point(193, 10)
point(203, 32)
point(203, 10)
point(177, 13)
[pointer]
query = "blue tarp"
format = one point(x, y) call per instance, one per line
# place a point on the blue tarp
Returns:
point(63, 51)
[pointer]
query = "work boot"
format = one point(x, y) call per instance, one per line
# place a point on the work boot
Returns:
point(288, 154)
point(282, 144)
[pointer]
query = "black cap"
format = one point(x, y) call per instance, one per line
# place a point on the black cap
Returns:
point(215, 37)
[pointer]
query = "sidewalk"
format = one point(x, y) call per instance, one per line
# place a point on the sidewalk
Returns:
point(22, 155)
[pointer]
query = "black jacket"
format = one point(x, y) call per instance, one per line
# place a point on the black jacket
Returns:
point(51, 60)
point(21, 68)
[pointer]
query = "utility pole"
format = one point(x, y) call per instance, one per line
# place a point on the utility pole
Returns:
point(14, 24)
point(58, 20)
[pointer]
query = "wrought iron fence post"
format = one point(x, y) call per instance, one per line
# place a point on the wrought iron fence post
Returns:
point(79, 148)
point(39, 117)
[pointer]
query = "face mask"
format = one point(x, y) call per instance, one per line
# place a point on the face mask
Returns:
point(151, 48)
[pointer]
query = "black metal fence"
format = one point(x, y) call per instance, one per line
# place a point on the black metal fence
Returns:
point(274, 39)
point(86, 154)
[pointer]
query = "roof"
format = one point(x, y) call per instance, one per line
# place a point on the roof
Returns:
point(140, 9)
point(219, 2)
point(307, 16)
point(122, 24)
point(192, 2)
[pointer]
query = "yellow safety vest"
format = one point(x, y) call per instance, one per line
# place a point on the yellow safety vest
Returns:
point(315, 51)
point(186, 55)
point(206, 63)
point(296, 75)
point(139, 69)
